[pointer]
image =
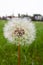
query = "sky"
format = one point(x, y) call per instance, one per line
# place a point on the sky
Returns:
point(30, 7)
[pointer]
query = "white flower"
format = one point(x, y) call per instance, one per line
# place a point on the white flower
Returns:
point(20, 30)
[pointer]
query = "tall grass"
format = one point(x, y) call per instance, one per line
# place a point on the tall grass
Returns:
point(32, 54)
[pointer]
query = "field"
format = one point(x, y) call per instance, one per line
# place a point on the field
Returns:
point(31, 55)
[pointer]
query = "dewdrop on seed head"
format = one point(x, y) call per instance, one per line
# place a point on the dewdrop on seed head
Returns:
point(19, 30)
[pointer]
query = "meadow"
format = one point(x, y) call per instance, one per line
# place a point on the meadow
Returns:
point(31, 55)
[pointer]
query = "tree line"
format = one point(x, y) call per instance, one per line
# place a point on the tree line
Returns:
point(35, 17)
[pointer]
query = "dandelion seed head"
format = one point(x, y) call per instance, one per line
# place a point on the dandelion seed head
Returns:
point(20, 29)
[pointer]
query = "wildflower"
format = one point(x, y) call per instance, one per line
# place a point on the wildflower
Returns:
point(20, 30)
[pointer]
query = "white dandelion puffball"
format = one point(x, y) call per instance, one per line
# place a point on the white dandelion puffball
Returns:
point(20, 30)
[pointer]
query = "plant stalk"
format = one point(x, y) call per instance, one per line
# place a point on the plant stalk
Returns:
point(19, 54)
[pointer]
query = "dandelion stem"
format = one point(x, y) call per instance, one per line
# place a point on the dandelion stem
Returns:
point(19, 54)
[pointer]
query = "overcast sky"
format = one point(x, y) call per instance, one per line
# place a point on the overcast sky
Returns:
point(8, 7)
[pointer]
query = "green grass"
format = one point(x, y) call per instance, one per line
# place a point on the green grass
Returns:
point(31, 54)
